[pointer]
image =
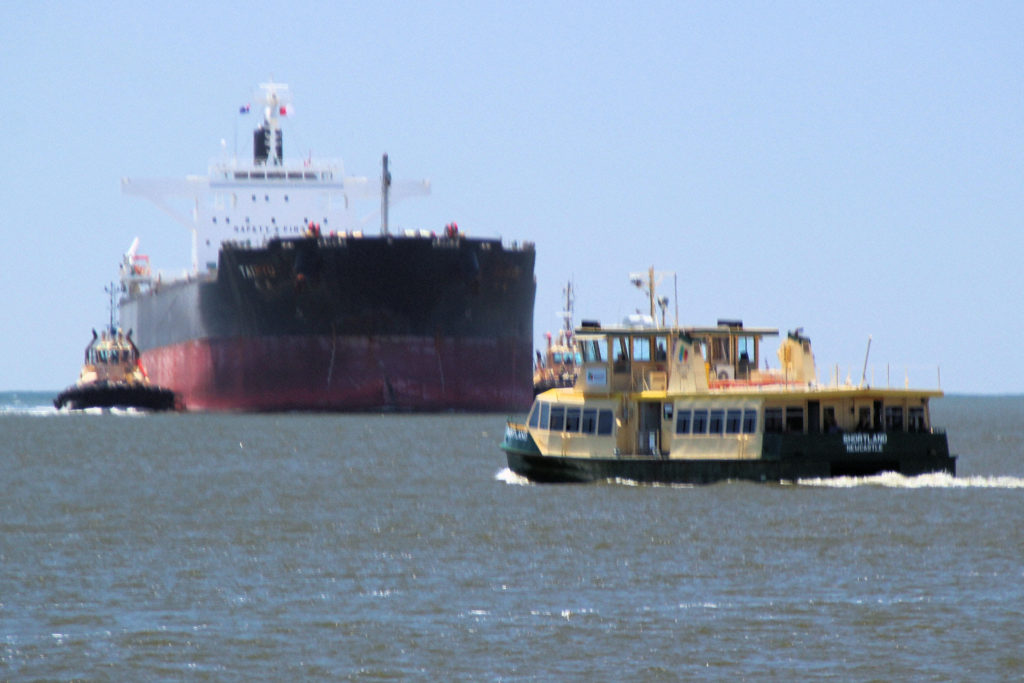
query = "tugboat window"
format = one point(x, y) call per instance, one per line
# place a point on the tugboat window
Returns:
point(749, 421)
point(732, 421)
point(683, 422)
point(572, 420)
point(544, 411)
point(716, 422)
point(700, 422)
point(604, 422)
point(557, 423)
point(773, 420)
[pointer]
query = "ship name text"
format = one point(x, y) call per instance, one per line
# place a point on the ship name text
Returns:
point(865, 443)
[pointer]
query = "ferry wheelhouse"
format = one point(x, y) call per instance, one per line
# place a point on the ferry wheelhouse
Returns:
point(693, 405)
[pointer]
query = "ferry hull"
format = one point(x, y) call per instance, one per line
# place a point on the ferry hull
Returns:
point(321, 373)
point(788, 458)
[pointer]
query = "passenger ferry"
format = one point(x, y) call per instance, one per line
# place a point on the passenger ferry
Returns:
point(654, 404)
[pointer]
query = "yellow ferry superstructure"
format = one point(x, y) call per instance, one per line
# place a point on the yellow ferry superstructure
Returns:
point(695, 405)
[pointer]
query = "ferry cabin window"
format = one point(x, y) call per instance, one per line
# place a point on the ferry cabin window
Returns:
point(773, 420)
point(720, 350)
point(894, 418)
point(591, 351)
point(557, 423)
point(535, 415)
point(604, 422)
point(749, 421)
point(745, 349)
point(572, 419)
point(732, 421)
point(794, 419)
point(683, 422)
point(829, 419)
point(716, 422)
point(589, 425)
point(545, 409)
point(700, 422)
point(916, 420)
point(660, 348)
point(641, 348)
point(622, 351)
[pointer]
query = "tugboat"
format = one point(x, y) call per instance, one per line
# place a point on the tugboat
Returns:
point(557, 366)
point(657, 404)
point(112, 376)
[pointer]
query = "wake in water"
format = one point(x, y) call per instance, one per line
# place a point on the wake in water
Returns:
point(509, 477)
point(50, 411)
point(885, 480)
point(937, 480)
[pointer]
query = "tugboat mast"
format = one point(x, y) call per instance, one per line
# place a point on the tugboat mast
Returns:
point(112, 291)
point(385, 185)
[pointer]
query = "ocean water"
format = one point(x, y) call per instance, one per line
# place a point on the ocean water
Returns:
point(399, 547)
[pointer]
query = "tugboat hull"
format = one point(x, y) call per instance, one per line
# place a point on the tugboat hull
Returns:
point(115, 395)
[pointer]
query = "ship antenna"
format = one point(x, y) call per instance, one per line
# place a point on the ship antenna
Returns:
point(864, 373)
point(385, 184)
point(112, 291)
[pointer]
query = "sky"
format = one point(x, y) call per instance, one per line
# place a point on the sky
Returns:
point(854, 169)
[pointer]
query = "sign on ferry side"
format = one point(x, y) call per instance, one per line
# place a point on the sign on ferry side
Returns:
point(865, 443)
point(597, 377)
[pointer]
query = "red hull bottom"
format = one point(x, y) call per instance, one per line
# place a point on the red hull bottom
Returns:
point(321, 373)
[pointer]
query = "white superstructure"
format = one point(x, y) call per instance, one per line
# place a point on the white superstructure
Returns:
point(266, 197)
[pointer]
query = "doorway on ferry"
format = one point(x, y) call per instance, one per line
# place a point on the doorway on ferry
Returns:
point(649, 432)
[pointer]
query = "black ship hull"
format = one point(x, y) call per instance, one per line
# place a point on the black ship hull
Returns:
point(345, 323)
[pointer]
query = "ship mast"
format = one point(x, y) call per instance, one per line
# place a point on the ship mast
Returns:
point(112, 291)
point(567, 314)
point(267, 143)
point(650, 284)
point(385, 185)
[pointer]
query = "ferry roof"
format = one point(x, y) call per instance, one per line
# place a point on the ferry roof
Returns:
point(585, 333)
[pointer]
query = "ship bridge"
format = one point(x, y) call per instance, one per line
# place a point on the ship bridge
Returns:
point(644, 357)
point(252, 202)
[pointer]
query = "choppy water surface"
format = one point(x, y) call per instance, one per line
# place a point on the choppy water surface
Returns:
point(368, 547)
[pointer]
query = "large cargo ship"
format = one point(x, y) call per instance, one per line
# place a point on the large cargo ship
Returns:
point(290, 306)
